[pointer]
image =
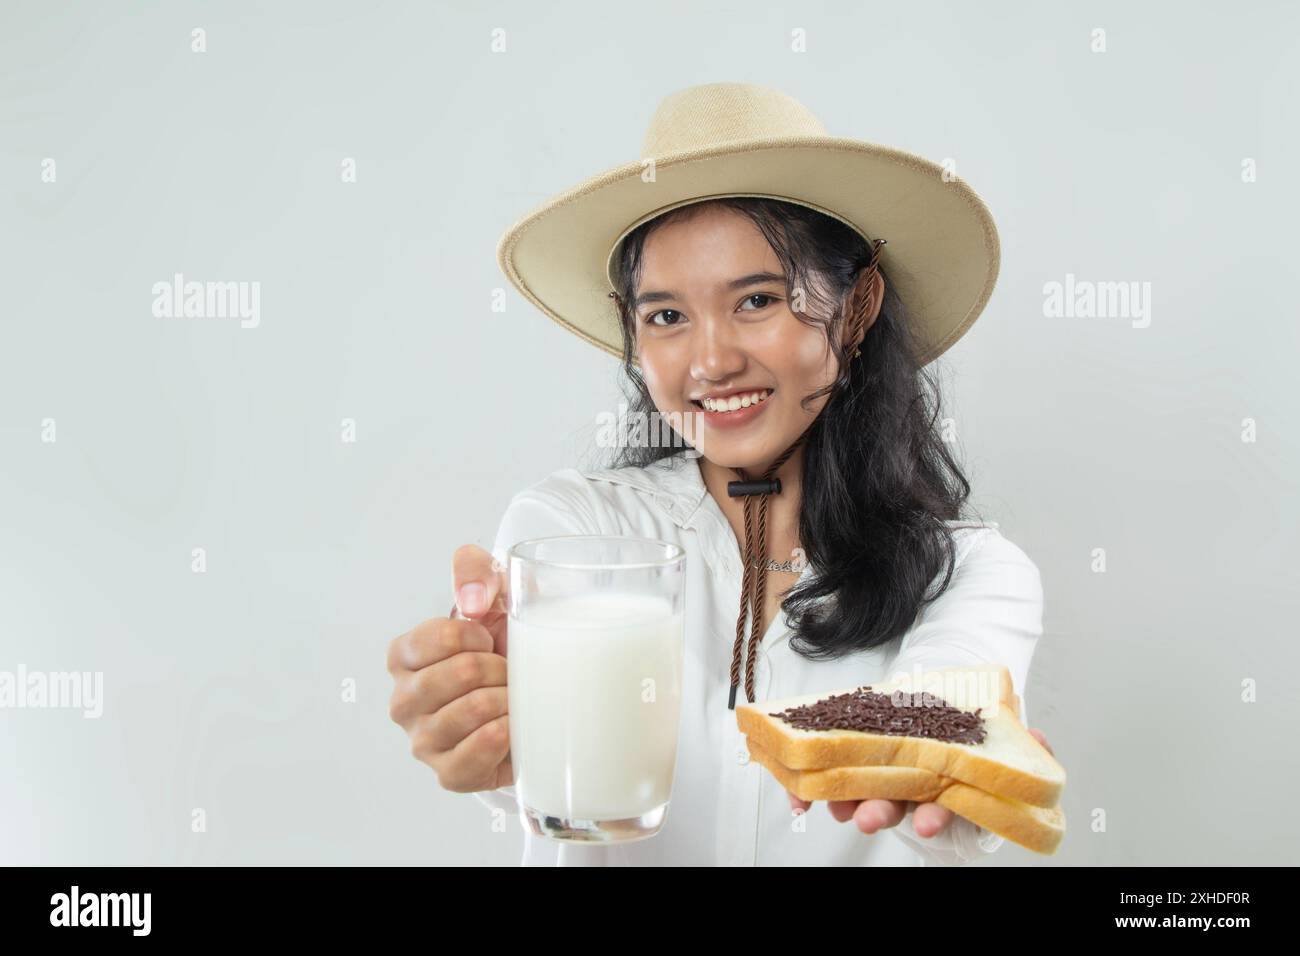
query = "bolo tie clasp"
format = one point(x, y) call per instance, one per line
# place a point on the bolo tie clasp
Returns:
point(759, 486)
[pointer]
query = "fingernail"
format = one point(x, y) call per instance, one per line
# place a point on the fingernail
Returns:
point(470, 598)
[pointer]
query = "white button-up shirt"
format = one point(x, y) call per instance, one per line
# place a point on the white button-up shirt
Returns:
point(726, 809)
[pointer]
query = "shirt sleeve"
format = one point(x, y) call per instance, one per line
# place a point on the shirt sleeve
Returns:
point(991, 613)
point(545, 510)
point(550, 508)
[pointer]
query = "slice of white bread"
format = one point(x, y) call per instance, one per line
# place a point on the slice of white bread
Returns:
point(1040, 829)
point(1009, 763)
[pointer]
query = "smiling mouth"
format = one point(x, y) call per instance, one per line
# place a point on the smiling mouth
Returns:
point(734, 403)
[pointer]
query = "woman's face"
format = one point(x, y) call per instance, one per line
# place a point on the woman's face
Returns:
point(712, 316)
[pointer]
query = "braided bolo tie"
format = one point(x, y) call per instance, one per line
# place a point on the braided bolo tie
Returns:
point(753, 589)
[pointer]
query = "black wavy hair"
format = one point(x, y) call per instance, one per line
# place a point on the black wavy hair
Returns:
point(878, 480)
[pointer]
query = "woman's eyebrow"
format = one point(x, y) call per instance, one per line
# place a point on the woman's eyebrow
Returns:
point(754, 278)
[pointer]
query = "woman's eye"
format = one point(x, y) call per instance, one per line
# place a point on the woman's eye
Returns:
point(650, 319)
point(768, 300)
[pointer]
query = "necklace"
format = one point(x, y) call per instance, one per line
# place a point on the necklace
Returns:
point(771, 565)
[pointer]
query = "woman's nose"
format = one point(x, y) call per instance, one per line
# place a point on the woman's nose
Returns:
point(716, 355)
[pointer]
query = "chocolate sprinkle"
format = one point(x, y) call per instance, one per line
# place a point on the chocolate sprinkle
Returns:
point(900, 714)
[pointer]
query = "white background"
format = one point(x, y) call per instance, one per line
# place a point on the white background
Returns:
point(222, 689)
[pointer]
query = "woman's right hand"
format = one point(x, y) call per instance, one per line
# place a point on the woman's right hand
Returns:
point(450, 681)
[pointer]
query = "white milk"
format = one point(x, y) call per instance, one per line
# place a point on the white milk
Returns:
point(591, 737)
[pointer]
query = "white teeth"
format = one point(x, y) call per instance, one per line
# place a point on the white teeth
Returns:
point(734, 402)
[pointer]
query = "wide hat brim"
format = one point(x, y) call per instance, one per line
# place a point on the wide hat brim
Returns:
point(941, 257)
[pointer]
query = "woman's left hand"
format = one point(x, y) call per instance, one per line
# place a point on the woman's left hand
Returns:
point(929, 820)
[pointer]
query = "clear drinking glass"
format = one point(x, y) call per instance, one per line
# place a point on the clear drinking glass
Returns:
point(594, 680)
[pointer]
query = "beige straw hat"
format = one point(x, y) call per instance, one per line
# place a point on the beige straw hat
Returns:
point(739, 139)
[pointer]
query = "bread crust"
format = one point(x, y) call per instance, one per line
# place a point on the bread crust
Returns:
point(1040, 829)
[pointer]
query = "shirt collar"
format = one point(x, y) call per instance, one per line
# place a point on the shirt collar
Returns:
point(678, 487)
point(674, 480)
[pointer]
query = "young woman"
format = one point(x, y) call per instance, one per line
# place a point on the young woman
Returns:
point(771, 317)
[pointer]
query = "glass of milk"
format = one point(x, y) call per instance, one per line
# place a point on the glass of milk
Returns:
point(594, 680)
